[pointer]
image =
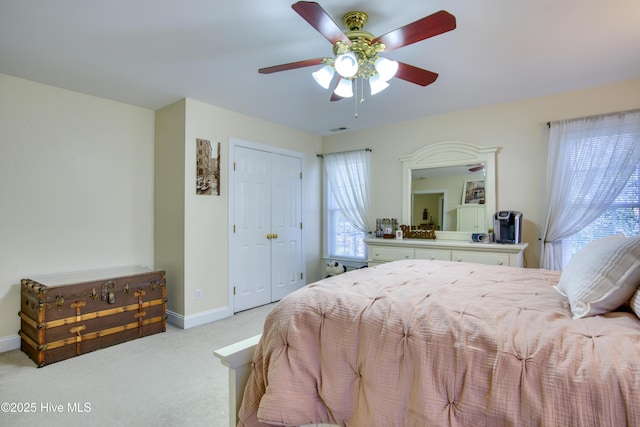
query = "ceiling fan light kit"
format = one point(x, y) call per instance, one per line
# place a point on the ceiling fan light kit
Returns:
point(356, 52)
point(346, 64)
point(386, 68)
point(324, 76)
point(344, 88)
point(377, 84)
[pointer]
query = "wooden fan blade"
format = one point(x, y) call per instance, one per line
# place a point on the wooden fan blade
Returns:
point(415, 75)
point(429, 26)
point(291, 66)
point(315, 15)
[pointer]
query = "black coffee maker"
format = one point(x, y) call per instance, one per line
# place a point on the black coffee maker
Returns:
point(507, 226)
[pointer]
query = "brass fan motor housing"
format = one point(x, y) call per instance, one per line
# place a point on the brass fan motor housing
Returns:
point(360, 39)
point(355, 20)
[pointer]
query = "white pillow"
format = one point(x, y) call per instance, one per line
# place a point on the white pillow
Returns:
point(602, 276)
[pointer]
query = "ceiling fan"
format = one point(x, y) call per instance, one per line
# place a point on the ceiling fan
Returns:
point(357, 52)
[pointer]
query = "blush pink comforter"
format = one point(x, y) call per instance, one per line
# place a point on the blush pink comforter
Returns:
point(429, 343)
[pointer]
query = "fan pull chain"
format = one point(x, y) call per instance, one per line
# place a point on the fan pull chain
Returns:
point(355, 97)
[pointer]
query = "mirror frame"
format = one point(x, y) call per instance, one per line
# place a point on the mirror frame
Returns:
point(450, 153)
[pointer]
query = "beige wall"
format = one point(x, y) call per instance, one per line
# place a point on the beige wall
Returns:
point(76, 187)
point(77, 191)
point(518, 127)
point(168, 200)
point(207, 219)
point(200, 254)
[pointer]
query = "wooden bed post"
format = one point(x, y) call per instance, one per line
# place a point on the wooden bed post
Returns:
point(237, 357)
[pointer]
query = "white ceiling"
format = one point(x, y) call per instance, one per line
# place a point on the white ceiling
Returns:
point(151, 53)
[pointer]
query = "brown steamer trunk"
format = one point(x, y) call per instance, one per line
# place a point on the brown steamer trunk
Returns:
point(59, 321)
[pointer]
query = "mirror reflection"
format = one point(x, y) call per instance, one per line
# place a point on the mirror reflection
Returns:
point(450, 198)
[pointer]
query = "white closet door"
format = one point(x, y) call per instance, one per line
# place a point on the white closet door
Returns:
point(266, 250)
point(286, 223)
point(251, 249)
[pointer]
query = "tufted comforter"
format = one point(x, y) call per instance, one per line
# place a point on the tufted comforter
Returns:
point(436, 343)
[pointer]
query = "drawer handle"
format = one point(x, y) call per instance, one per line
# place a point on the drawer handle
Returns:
point(433, 258)
point(377, 254)
point(406, 256)
point(459, 259)
point(500, 262)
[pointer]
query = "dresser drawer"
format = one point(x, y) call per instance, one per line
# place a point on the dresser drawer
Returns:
point(380, 251)
point(480, 257)
point(383, 253)
point(433, 254)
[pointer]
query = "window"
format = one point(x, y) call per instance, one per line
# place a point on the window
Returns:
point(346, 205)
point(343, 241)
point(622, 216)
point(591, 183)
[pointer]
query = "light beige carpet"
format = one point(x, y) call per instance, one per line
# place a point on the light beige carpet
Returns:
point(167, 379)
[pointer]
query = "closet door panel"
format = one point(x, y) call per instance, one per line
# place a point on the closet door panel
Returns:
point(286, 223)
point(251, 259)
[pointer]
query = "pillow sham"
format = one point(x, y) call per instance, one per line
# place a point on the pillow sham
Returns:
point(634, 303)
point(602, 276)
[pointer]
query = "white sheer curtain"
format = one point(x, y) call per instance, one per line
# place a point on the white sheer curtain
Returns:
point(348, 174)
point(589, 162)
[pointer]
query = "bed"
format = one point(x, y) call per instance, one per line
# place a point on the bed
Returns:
point(420, 342)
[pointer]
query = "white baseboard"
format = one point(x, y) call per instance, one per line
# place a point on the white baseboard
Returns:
point(202, 318)
point(9, 343)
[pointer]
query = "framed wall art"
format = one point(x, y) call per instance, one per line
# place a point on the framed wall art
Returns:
point(207, 168)
point(473, 193)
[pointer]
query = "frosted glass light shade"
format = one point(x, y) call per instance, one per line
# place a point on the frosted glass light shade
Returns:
point(347, 64)
point(324, 76)
point(376, 84)
point(344, 89)
point(386, 68)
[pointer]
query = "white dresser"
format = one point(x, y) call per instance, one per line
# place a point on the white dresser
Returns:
point(385, 250)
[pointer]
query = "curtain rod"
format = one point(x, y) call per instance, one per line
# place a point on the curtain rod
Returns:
point(340, 152)
point(598, 115)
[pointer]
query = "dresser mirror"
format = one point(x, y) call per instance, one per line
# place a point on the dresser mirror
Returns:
point(434, 180)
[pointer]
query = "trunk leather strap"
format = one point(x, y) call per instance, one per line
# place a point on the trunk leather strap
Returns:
point(78, 331)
